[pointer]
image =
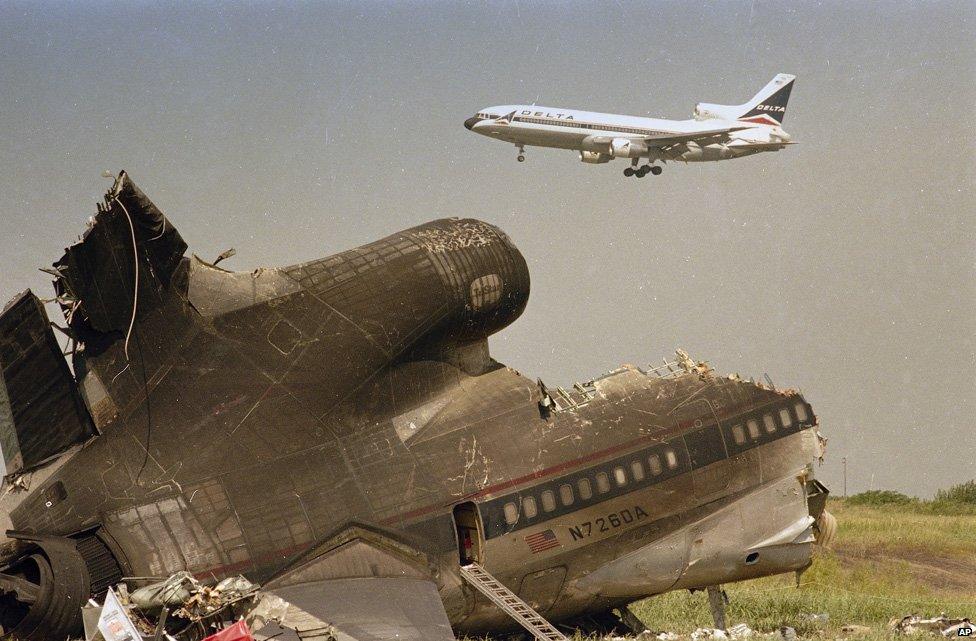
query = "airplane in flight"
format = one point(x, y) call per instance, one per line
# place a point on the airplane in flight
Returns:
point(337, 431)
point(717, 132)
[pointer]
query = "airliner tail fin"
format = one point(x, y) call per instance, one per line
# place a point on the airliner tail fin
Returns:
point(768, 107)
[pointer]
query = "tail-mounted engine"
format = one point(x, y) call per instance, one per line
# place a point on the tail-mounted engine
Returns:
point(43, 588)
point(707, 111)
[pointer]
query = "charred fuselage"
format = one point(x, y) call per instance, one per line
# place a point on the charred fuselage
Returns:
point(257, 422)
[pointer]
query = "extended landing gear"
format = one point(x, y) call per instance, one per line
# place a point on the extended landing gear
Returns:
point(717, 600)
point(521, 154)
point(642, 171)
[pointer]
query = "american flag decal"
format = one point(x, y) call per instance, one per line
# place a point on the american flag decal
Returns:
point(542, 541)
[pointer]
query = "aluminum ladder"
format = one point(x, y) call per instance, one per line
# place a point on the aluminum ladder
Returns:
point(513, 606)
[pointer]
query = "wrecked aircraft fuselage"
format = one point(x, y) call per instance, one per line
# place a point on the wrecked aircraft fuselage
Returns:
point(338, 431)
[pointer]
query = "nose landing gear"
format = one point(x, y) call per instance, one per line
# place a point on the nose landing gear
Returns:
point(521, 154)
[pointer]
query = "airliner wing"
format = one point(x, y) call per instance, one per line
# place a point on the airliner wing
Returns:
point(708, 136)
point(771, 145)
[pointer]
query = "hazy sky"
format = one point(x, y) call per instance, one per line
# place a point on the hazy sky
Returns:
point(845, 265)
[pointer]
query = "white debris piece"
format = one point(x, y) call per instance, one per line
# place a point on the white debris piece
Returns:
point(957, 630)
point(114, 622)
point(741, 631)
point(172, 593)
point(916, 625)
point(709, 634)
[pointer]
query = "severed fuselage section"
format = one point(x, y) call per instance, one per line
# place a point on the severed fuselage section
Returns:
point(338, 431)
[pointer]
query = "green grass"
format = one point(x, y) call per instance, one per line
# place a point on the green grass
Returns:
point(888, 561)
point(957, 500)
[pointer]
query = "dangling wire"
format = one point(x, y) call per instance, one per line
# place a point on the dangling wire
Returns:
point(135, 293)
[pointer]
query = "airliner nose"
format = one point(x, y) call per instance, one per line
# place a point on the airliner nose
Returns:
point(471, 122)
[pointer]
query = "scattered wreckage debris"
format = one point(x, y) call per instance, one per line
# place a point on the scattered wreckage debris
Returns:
point(181, 608)
point(944, 625)
point(738, 632)
point(911, 625)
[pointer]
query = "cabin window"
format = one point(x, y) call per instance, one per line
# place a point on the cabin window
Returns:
point(738, 434)
point(511, 513)
point(602, 483)
point(585, 489)
point(654, 462)
point(753, 426)
point(801, 412)
point(566, 494)
point(529, 508)
point(637, 470)
point(769, 423)
point(548, 501)
point(785, 418)
point(620, 476)
point(671, 458)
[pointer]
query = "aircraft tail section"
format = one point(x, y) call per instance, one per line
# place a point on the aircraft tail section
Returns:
point(768, 107)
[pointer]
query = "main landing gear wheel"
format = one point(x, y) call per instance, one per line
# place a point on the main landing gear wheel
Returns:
point(629, 172)
point(640, 173)
point(656, 170)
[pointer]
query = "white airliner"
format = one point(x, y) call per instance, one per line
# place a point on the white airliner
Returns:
point(717, 132)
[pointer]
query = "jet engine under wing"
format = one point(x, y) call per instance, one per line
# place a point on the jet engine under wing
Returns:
point(374, 608)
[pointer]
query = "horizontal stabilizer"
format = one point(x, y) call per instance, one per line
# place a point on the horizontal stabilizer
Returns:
point(41, 412)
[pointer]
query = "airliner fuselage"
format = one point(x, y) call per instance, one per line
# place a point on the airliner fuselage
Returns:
point(717, 132)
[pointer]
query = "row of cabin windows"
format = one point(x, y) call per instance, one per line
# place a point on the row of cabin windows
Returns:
point(655, 465)
point(768, 423)
point(603, 481)
point(588, 125)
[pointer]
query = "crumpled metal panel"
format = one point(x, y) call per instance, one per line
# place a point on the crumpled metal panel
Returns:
point(99, 273)
point(215, 292)
point(41, 411)
point(375, 609)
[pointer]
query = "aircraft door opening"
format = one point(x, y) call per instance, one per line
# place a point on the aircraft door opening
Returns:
point(470, 533)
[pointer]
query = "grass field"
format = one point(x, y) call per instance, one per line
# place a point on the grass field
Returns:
point(887, 561)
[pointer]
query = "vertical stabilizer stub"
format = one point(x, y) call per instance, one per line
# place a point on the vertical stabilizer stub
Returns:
point(41, 412)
